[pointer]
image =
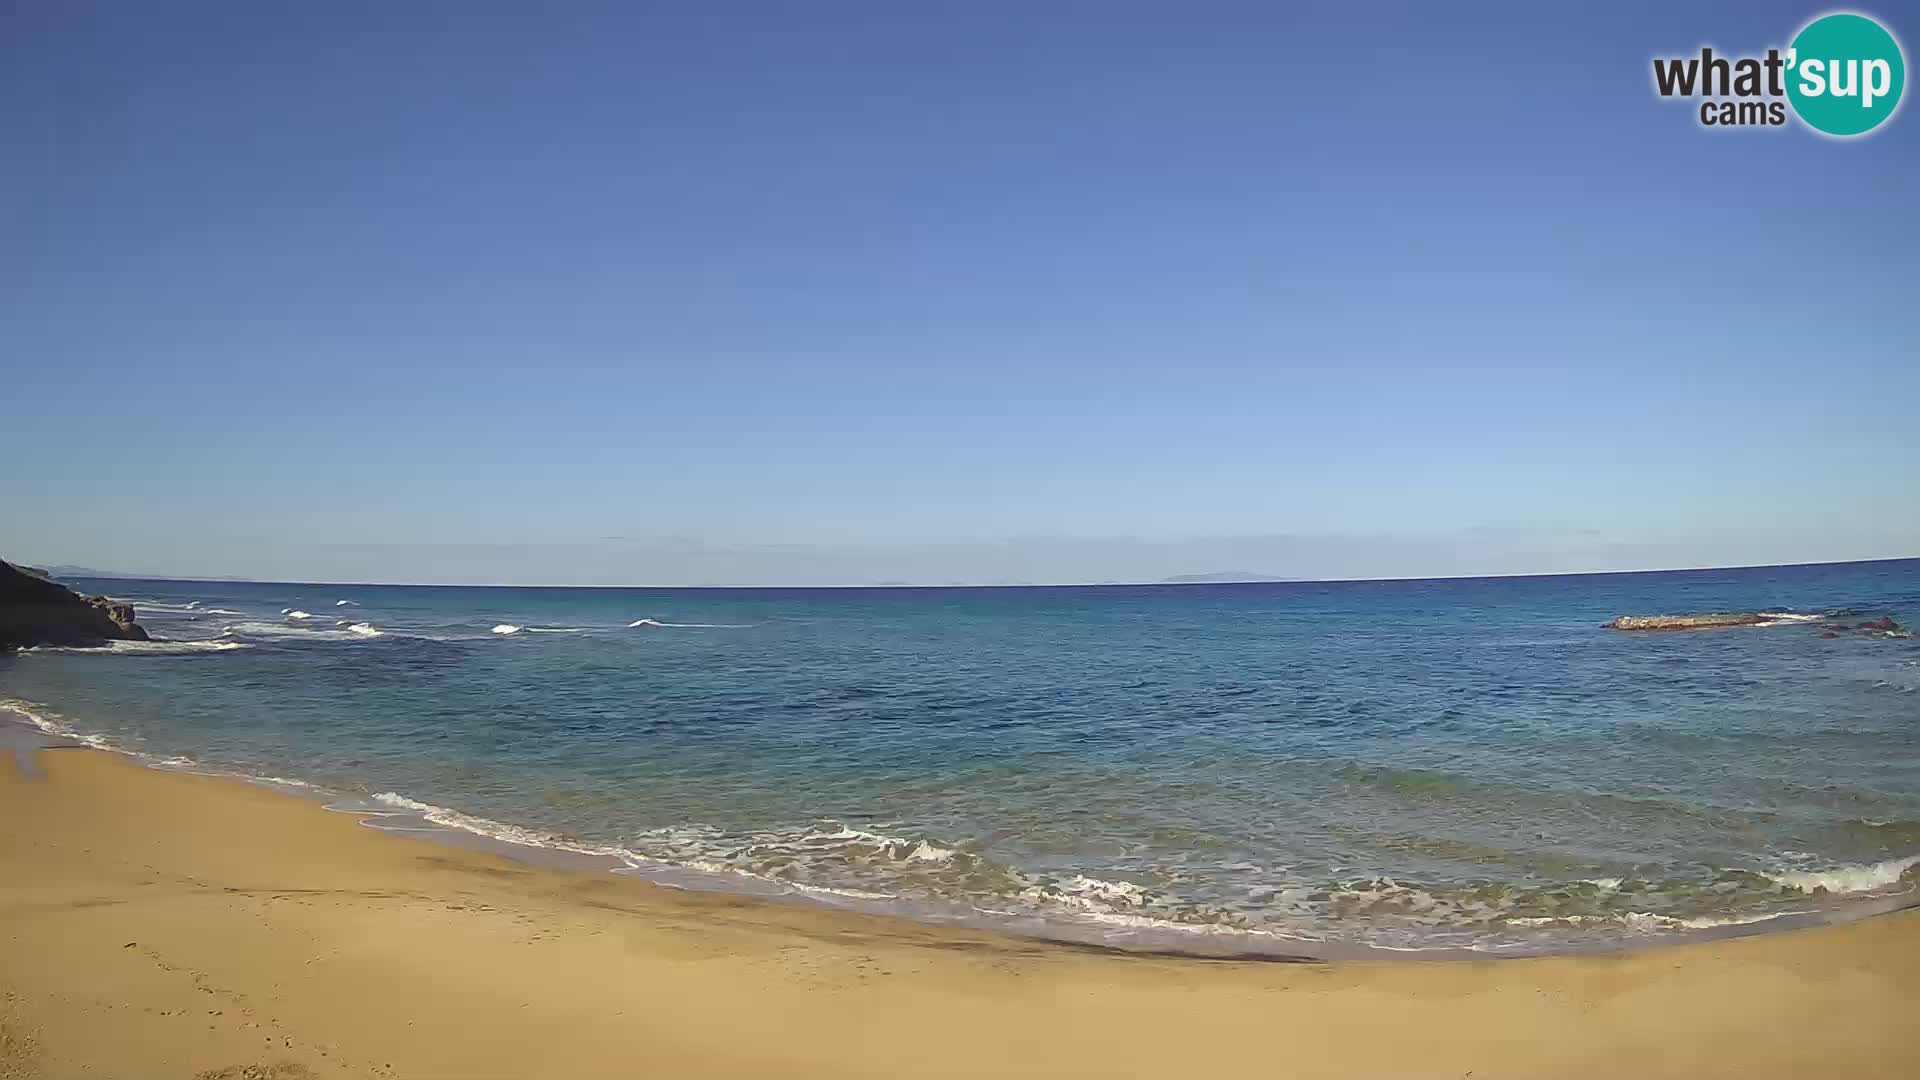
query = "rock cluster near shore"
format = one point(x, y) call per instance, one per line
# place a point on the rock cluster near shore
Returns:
point(37, 611)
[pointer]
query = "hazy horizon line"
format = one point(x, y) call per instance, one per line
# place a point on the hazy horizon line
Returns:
point(99, 575)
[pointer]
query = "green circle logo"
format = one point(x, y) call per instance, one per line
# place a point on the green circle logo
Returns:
point(1845, 74)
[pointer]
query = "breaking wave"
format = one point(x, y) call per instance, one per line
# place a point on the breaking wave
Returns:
point(51, 723)
point(1786, 618)
point(191, 607)
point(343, 630)
point(143, 648)
point(1653, 921)
point(689, 625)
point(1851, 878)
point(447, 817)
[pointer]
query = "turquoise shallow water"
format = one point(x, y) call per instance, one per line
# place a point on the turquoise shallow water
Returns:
point(1419, 764)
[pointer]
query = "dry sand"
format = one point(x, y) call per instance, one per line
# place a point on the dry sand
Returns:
point(157, 924)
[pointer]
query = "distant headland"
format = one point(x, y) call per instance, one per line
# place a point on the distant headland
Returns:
point(37, 611)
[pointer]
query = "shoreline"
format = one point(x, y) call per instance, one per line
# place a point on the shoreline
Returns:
point(23, 733)
point(217, 924)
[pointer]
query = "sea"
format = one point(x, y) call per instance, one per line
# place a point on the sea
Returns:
point(1313, 769)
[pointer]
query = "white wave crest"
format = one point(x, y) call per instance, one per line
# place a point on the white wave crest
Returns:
point(1786, 618)
point(689, 625)
point(1849, 878)
point(342, 630)
point(1089, 896)
point(830, 890)
point(447, 817)
point(274, 781)
point(51, 723)
point(507, 628)
point(260, 629)
point(1650, 922)
point(295, 613)
point(346, 603)
point(783, 859)
point(892, 847)
point(143, 648)
point(160, 606)
point(926, 852)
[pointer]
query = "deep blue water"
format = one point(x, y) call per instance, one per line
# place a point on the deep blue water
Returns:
point(1403, 763)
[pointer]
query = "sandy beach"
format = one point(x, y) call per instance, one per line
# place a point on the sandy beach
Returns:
point(162, 924)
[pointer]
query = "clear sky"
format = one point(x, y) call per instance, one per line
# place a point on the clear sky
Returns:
point(753, 293)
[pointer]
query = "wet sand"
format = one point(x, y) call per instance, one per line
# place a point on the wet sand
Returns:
point(163, 924)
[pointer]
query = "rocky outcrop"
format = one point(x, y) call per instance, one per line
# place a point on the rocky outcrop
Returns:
point(1827, 624)
point(1883, 626)
point(1688, 622)
point(36, 611)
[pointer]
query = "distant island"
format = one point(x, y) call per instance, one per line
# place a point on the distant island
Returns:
point(1222, 577)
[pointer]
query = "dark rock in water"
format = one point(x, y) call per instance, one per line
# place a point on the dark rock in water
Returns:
point(1828, 629)
point(1884, 626)
point(122, 616)
point(36, 611)
point(1687, 622)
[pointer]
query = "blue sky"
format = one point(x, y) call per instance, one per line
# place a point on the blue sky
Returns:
point(845, 293)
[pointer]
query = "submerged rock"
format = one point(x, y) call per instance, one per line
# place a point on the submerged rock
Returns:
point(36, 611)
point(1828, 626)
point(1688, 622)
point(1884, 626)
